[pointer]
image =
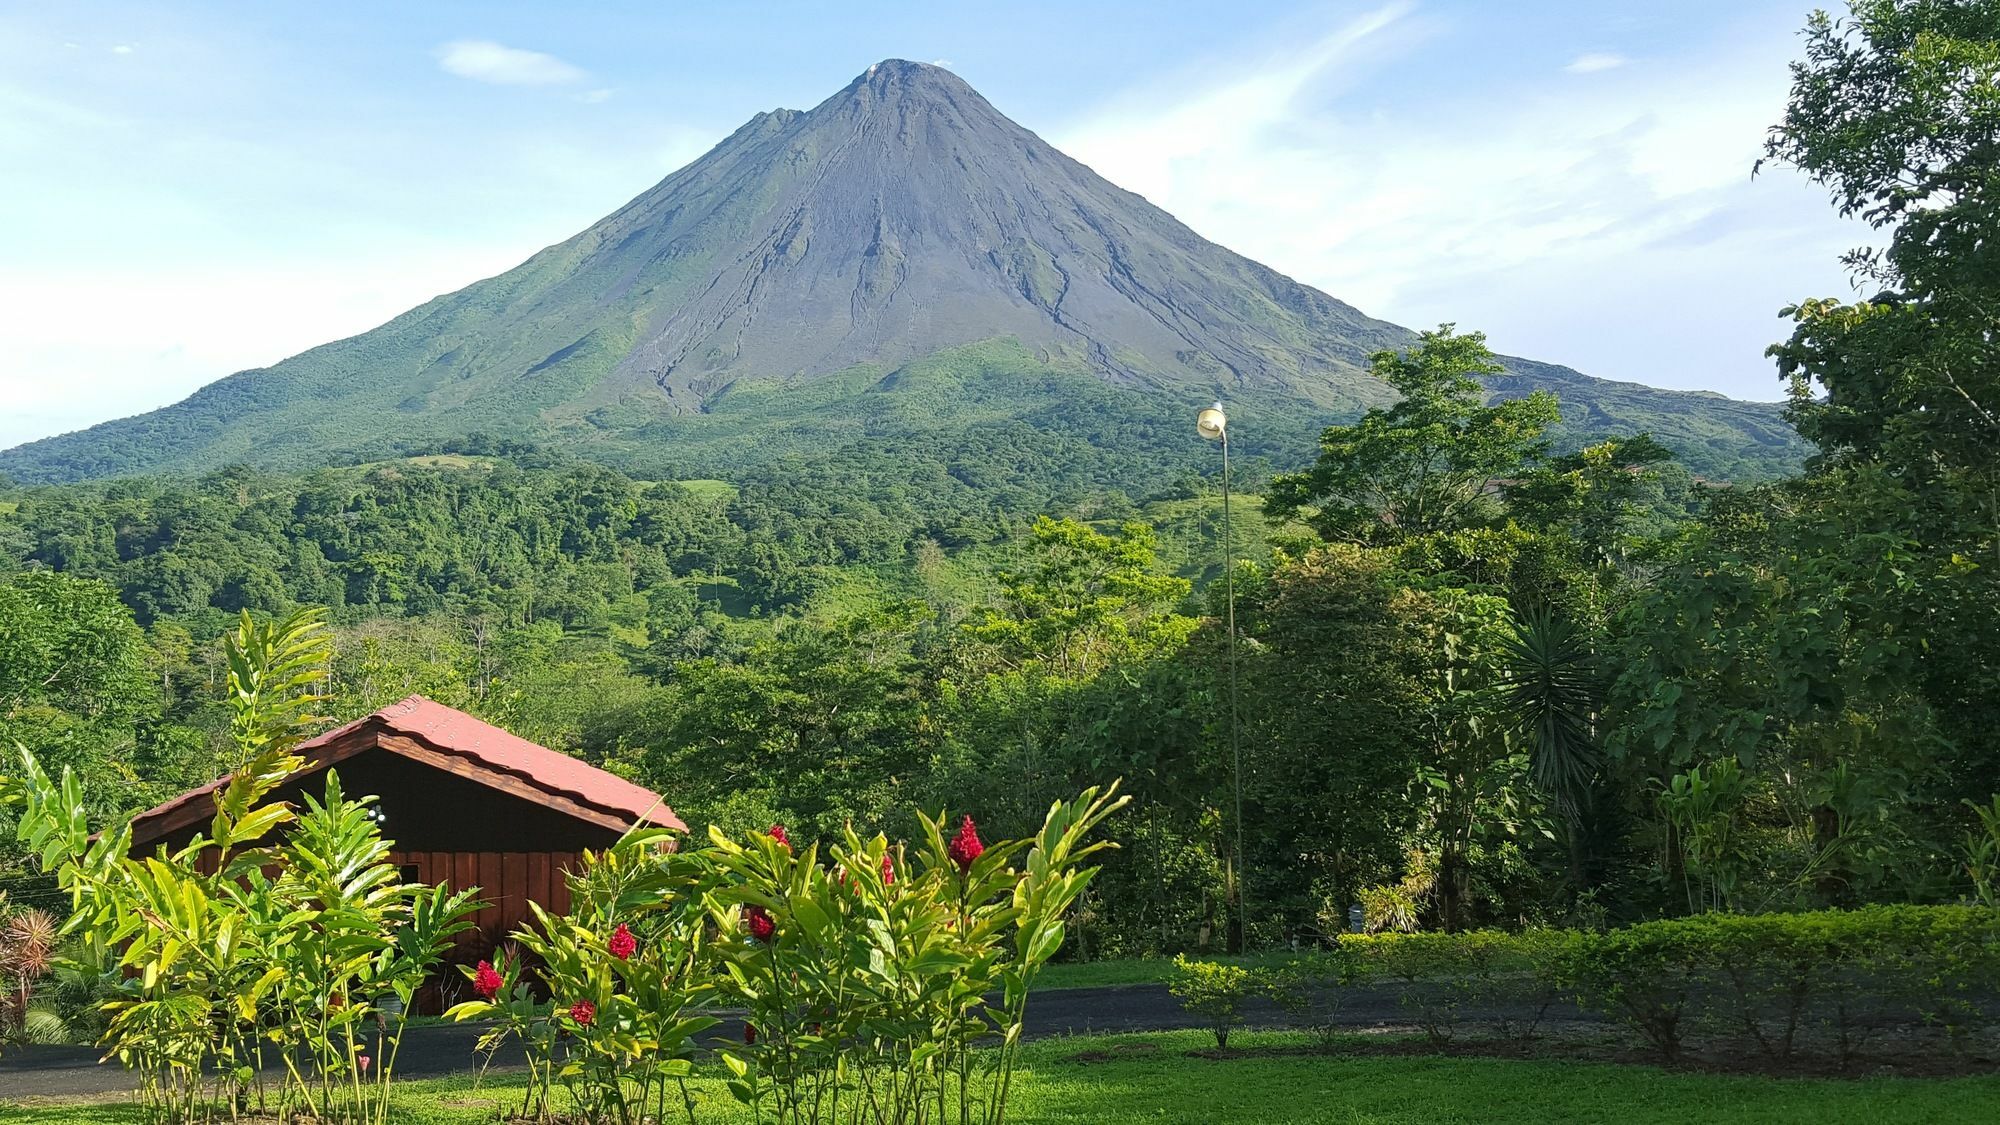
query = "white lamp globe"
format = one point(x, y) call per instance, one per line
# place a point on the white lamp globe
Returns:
point(1212, 422)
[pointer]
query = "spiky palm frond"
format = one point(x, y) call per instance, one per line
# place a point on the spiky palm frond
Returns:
point(43, 1026)
point(28, 941)
point(1551, 688)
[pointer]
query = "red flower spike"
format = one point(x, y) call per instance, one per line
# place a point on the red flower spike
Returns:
point(583, 1012)
point(965, 847)
point(888, 870)
point(622, 944)
point(362, 1061)
point(778, 833)
point(759, 922)
point(749, 1033)
point(486, 982)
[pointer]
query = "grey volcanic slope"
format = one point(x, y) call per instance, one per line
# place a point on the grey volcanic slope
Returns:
point(900, 219)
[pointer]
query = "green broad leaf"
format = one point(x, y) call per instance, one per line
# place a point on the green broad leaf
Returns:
point(1046, 941)
point(812, 917)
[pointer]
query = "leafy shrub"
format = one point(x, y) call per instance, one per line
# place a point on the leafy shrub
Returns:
point(1309, 990)
point(1772, 979)
point(626, 973)
point(868, 977)
point(1216, 992)
point(1440, 975)
point(865, 973)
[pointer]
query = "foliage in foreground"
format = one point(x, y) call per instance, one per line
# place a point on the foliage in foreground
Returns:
point(230, 951)
point(870, 973)
point(866, 975)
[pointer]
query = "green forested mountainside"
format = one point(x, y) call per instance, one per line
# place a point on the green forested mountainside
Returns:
point(902, 265)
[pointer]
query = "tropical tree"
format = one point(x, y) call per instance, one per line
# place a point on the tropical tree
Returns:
point(1429, 464)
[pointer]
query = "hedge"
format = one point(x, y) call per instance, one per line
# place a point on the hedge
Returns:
point(1776, 983)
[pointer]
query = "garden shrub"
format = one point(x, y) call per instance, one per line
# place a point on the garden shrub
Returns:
point(1309, 990)
point(866, 971)
point(1216, 992)
point(1441, 975)
point(1774, 979)
point(870, 978)
point(626, 972)
point(1644, 975)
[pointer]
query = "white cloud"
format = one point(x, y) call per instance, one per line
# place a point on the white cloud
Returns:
point(1621, 235)
point(483, 60)
point(122, 49)
point(1594, 61)
point(946, 63)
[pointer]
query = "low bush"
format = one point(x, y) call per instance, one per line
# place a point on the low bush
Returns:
point(1309, 990)
point(1777, 980)
point(1216, 992)
point(1774, 984)
point(1440, 976)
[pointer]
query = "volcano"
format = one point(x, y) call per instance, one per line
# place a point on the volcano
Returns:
point(900, 257)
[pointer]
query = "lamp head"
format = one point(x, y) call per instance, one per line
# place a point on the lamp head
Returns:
point(1212, 423)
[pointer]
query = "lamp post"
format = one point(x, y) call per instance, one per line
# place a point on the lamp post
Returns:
point(1213, 425)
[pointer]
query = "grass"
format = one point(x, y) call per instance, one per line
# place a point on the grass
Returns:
point(1153, 1078)
point(714, 491)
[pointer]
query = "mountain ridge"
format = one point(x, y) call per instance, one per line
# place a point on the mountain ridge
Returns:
point(902, 218)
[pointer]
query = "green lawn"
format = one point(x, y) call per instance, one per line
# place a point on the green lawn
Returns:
point(1152, 1078)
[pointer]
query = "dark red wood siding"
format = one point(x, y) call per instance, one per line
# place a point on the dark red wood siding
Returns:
point(507, 882)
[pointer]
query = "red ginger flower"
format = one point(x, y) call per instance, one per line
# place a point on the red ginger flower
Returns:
point(778, 833)
point(486, 982)
point(758, 920)
point(888, 870)
point(583, 1012)
point(749, 1033)
point(965, 847)
point(622, 944)
point(362, 1061)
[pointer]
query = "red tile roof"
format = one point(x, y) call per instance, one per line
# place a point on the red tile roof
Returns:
point(449, 731)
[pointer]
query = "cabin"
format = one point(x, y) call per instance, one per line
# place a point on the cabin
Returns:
point(467, 804)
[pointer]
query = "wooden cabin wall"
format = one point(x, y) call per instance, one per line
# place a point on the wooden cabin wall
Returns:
point(507, 882)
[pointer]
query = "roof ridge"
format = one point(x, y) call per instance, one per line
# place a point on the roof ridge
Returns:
point(406, 705)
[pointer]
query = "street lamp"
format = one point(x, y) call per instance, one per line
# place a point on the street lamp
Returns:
point(1213, 425)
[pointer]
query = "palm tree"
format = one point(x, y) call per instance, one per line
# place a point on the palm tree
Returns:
point(1551, 689)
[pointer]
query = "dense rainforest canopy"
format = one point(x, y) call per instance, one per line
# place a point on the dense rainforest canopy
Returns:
point(1486, 677)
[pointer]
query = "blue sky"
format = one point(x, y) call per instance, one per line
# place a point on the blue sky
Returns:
point(191, 189)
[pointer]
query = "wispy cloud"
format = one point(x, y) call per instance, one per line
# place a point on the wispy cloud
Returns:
point(1594, 61)
point(483, 60)
point(1574, 231)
